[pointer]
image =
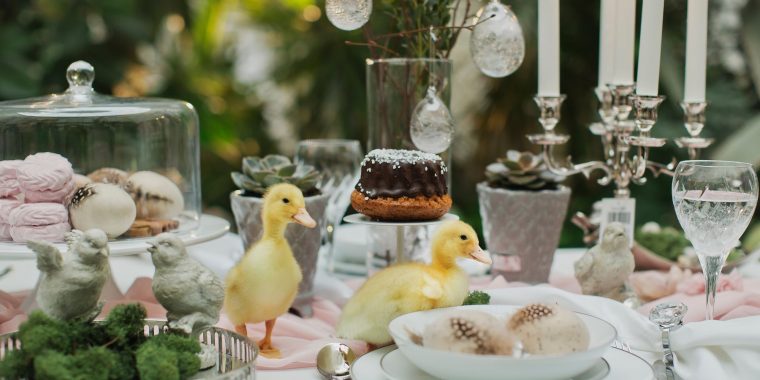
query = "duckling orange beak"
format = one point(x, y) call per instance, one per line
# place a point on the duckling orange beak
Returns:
point(303, 218)
point(481, 256)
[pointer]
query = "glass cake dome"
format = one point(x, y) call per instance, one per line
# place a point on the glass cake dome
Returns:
point(132, 135)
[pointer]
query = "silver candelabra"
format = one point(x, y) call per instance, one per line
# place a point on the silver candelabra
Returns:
point(626, 142)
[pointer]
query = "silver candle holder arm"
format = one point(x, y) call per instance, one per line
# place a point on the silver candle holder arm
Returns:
point(625, 142)
point(550, 108)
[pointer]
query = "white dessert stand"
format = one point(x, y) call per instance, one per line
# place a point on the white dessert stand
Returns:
point(400, 229)
point(210, 228)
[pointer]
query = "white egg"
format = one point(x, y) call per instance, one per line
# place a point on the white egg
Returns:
point(103, 206)
point(496, 43)
point(470, 332)
point(155, 196)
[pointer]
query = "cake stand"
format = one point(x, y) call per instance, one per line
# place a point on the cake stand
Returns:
point(210, 228)
point(401, 254)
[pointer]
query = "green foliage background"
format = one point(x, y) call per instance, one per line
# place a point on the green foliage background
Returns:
point(192, 57)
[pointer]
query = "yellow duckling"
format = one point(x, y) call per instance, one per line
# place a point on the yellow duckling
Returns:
point(262, 286)
point(405, 288)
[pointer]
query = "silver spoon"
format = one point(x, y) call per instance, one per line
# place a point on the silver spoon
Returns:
point(334, 361)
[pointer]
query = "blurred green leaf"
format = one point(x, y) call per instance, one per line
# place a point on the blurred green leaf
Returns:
point(742, 145)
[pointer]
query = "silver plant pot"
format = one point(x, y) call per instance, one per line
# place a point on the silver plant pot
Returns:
point(304, 242)
point(522, 230)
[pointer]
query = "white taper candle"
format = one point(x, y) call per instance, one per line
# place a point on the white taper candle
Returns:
point(607, 17)
point(696, 51)
point(625, 36)
point(650, 45)
point(548, 47)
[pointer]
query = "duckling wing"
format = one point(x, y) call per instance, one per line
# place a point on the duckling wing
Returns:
point(385, 296)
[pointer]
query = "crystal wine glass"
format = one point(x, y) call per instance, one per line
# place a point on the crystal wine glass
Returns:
point(714, 202)
point(339, 161)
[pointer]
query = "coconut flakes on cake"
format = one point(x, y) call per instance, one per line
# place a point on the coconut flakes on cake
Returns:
point(396, 157)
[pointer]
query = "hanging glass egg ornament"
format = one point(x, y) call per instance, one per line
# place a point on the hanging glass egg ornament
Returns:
point(432, 126)
point(496, 43)
point(348, 14)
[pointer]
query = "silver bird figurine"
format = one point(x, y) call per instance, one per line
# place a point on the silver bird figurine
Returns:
point(191, 294)
point(604, 269)
point(70, 286)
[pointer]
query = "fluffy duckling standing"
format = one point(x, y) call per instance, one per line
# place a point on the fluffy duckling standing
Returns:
point(263, 285)
point(405, 288)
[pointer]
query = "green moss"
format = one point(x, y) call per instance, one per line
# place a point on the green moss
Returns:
point(124, 325)
point(53, 366)
point(188, 364)
point(40, 333)
point(14, 365)
point(155, 363)
point(668, 243)
point(477, 298)
point(177, 343)
point(116, 349)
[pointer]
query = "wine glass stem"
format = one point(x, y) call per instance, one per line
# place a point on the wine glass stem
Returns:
point(711, 266)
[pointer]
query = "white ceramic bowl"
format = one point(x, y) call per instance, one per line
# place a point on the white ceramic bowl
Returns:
point(458, 366)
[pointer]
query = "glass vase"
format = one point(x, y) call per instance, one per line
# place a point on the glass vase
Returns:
point(394, 88)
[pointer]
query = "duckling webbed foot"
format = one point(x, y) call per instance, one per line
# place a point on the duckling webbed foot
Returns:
point(265, 345)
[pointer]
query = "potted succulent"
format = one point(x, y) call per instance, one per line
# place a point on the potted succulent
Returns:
point(523, 206)
point(256, 176)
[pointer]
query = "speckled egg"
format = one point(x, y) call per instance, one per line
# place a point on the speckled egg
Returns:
point(156, 196)
point(549, 330)
point(470, 332)
point(103, 206)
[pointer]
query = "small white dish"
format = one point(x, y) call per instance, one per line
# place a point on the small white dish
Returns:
point(210, 227)
point(623, 366)
point(459, 366)
point(396, 366)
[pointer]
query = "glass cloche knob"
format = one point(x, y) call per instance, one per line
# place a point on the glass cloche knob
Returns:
point(80, 74)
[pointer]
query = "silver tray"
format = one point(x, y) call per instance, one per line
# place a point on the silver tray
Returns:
point(237, 354)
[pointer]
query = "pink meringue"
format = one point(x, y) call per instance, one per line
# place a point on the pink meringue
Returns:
point(6, 206)
point(53, 232)
point(36, 177)
point(8, 184)
point(53, 196)
point(48, 159)
point(39, 221)
point(8, 168)
point(5, 232)
point(38, 214)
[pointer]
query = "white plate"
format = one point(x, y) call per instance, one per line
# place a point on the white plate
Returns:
point(455, 365)
point(623, 366)
point(210, 227)
point(364, 219)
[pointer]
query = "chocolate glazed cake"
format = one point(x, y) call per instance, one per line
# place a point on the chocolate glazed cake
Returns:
point(402, 185)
